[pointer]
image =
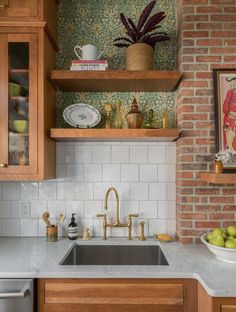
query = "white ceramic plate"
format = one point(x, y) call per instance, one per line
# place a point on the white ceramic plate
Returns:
point(81, 115)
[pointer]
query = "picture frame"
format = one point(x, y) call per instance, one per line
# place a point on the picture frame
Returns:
point(224, 87)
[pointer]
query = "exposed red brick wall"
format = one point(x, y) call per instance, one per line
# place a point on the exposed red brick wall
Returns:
point(206, 40)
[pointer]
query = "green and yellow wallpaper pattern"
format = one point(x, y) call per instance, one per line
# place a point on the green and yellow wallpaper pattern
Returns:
point(97, 22)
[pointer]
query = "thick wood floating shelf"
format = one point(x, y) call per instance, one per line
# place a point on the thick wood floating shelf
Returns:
point(162, 135)
point(218, 178)
point(116, 81)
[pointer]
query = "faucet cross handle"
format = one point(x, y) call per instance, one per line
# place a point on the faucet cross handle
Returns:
point(135, 215)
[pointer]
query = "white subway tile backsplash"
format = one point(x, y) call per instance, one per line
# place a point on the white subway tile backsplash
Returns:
point(171, 191)
point(83, 154)
point(130, 172)
point(11, 191)
point(142, 172)
point(5, 209)
point(138, 154)
point(74, 172)
point(29, 190)
point(29, 227)
point(38, 207)
point(100, 189)
point(56, 207)
point(166, 173)
point(157, 154)
point(15, 209)
point(123, 190)
point(148, 209)
point(120, 154)
point(157, 226)
point(11, 227)
point(148, 173)
point(92, 172)
point(111, 172)
point(157, 191)
point(65, 190)
point(166, 209)
point(139, 191)
point(75, 206)
point(92, 208)
point(84, 191)
point(47, 190)
point(101, 154)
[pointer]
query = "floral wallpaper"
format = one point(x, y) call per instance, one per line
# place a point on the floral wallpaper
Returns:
point(97, 22)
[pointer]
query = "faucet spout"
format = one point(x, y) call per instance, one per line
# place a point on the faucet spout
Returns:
point(117, 203)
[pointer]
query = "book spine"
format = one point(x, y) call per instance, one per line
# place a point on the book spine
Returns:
point(89, 62)
point(87, 68)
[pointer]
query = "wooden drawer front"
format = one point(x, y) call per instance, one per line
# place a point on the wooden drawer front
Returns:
point(105, 293)
point(228, 308)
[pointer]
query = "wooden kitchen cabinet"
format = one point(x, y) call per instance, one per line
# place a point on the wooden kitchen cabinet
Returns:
point(207, 303)
point(27, 104)
point(42, 12)
point(111, 295)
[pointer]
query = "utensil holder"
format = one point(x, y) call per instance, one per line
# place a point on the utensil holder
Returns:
point(52, 233)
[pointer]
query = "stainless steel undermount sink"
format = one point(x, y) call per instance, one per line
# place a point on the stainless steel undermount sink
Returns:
point(114, 255)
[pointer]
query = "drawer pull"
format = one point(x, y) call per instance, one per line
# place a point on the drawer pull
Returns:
point(2, 165)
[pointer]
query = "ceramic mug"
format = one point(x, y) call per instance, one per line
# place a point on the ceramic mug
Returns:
point(89, 52)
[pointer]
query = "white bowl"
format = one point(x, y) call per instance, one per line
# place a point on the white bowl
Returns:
point(224, 254)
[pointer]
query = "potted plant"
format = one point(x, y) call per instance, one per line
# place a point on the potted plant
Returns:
point(142, 38)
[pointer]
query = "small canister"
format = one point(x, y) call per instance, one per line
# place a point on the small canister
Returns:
point(52, 233)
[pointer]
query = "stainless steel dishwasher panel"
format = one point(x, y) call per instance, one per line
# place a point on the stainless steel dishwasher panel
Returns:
point(16, 295)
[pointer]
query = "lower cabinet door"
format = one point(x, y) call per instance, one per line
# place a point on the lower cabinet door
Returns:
point(112, 296)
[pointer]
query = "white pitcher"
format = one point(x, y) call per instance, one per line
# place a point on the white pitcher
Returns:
point(89, 52)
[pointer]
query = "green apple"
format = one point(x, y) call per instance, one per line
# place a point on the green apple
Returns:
point(218, 241)
point(229, 237)
point(230, 244)
point(231, 230)
point(218, 231)
point(210, 236)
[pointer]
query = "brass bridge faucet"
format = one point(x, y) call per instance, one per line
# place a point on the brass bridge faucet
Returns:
point(117, 222)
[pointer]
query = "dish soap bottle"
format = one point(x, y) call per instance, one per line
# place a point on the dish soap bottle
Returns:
point(73, 229)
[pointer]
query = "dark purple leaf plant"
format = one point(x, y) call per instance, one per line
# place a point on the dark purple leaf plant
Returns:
point(146, 29)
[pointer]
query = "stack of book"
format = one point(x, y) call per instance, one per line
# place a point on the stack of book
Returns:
point(89, 65)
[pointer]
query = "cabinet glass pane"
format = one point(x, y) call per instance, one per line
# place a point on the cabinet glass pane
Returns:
point(18, 105)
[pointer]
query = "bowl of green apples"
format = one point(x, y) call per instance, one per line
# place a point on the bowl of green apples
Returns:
point(222, 243)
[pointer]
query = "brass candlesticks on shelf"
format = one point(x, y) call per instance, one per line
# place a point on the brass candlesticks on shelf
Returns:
point(108, 110)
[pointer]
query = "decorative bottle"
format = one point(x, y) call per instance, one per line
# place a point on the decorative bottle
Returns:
point(165, 120)
point(118, 117)
point(73, 229)
point(134, 117)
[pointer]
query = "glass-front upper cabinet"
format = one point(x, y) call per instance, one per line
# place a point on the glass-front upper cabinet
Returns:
point(18, 104)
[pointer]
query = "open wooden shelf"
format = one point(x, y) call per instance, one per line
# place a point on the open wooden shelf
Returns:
point(116, 81)
point(218, 178)
point(71, 134)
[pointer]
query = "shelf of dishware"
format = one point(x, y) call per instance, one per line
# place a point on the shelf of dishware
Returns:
point(116, 80)
point(218, 178)
point(73, 134)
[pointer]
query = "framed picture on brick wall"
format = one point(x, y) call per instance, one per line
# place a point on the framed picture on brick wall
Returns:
point(224, 85)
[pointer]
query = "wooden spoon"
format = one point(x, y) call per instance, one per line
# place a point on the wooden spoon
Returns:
point(61, 218)
point(45, 217)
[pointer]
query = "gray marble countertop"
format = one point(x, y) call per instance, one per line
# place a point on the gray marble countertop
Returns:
point(36, 258)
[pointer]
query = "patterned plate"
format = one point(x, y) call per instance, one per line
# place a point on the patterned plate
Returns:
point(81, 115)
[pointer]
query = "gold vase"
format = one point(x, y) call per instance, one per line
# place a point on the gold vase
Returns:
point(134, 117)
point(218, 166)
point(139, 56)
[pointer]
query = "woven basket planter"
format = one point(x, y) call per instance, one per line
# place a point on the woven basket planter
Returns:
point(139, 56)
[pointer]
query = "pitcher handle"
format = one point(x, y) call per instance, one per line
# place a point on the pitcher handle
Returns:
point(76, 53)
point(99, 55)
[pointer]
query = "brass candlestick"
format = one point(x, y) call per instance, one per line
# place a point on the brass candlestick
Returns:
point(108, 110)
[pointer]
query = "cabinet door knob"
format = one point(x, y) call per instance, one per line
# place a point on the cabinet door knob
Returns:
point(2, 165)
